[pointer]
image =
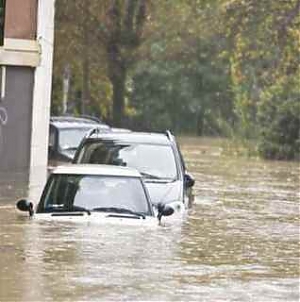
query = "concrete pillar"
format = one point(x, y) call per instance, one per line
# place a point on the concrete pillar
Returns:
point(42, 99)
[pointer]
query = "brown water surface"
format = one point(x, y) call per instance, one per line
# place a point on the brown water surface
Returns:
point(239, 242)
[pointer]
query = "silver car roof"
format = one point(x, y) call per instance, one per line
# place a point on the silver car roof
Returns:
point(133, 137)
point(94, 169)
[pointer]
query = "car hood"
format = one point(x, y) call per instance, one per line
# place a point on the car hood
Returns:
point(164, 192)
point(98, 218)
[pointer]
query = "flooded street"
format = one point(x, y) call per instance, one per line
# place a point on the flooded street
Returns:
point(239, 242)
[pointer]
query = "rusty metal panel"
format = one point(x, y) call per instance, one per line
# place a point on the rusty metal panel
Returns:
point(21, 19)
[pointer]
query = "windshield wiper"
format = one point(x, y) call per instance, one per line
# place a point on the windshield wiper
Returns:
point(63, 208)
point(150, 176)
point(80, 209)
point(119, 210)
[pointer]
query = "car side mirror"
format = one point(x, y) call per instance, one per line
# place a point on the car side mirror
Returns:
point(164, 210)
point(25, 206)
point(189, 181)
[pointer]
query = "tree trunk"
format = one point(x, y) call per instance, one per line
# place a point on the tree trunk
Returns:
point(117, 70)
point(118, 83)
point(85, 96)
point(124, 25)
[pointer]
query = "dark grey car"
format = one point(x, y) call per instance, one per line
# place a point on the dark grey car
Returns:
point(155, 155)
point(65, 135)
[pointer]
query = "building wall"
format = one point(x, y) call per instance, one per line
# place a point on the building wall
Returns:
point(26, 74)
point(17, 79)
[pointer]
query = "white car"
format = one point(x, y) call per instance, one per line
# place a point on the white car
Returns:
point(96, 193)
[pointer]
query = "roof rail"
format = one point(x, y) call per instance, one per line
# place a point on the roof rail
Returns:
point(91, 132)
point(96, 130)
point(89, 117)
point(169, 135)
point(73, 117)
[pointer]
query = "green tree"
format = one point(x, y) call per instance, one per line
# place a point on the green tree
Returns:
point(205, 66)
point(183, 83)
point(264, 38)
point(188, 94)
point(279, 120)
point(122, 35)
point(77, 46)
point(103, 34)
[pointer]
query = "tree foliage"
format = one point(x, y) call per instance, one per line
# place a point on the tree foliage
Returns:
point(76, 46)
point(122, 35)
point(264, 37)
point(99, 35)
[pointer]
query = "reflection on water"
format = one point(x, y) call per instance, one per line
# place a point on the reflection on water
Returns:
point(12, 185)
point(240, 242)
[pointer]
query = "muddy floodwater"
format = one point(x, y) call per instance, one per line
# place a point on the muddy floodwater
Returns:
point(239, 242)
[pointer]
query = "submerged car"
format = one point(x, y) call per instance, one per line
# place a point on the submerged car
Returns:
point(96, 193)
point(66, 133)
point(155, 155)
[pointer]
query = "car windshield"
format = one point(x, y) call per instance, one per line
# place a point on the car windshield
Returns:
point(70, 138)
point(152, 161)
point(91, 192)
